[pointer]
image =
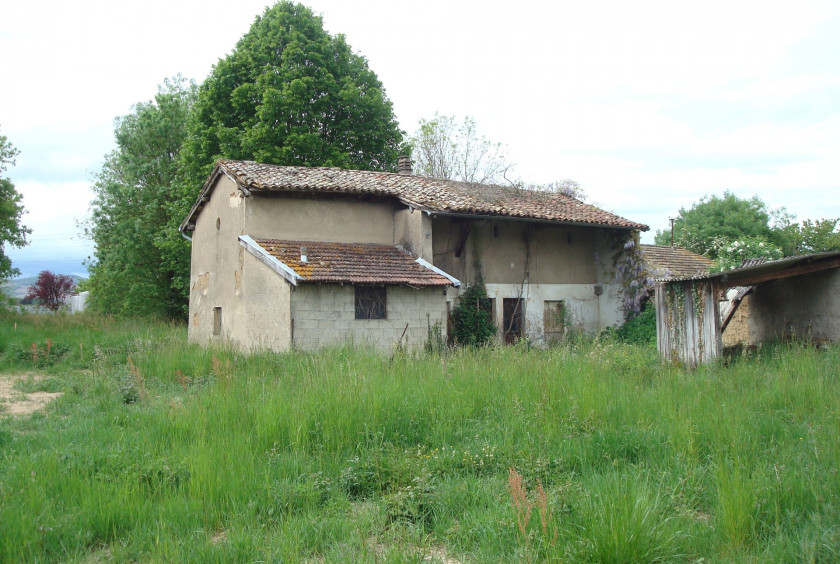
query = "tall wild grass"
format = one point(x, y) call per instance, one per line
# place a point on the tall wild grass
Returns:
point(163, 451)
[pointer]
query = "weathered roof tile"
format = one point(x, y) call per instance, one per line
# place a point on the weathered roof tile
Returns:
point(353, 263)
point(675, 262)
point(430, 194)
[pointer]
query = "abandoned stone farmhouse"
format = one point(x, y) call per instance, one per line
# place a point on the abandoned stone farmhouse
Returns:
point(309, 257)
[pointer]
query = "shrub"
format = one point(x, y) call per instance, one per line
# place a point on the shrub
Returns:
point(730, 254)
point(473, 325)
point(639, 330)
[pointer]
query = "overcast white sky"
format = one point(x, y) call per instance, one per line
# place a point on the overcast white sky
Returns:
point(648, 105)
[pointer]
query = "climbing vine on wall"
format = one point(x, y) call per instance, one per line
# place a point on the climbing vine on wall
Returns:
point(631, 273)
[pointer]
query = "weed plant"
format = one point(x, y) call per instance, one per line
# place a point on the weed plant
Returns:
point(163, 451)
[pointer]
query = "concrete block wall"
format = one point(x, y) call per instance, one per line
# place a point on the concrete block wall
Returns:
point(325, 315)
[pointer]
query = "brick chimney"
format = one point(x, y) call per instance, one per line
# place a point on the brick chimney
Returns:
point(404, 165)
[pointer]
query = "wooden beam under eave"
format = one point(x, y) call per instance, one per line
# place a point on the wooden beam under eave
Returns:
point(729, 313)
point(463, 233)
point(798, 270)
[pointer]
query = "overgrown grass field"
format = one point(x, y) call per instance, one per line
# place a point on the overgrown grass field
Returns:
point(587, 452)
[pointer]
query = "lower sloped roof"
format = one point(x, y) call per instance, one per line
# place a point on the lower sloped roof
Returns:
point(675, 262)
point(348, 263)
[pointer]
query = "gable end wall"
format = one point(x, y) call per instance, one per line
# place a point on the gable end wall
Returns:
point(215, 270)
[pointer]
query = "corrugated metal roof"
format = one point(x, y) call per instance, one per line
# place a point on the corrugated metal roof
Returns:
point(353, 263)
point(429, 194)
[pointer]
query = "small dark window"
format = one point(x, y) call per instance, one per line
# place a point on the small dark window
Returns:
point(218, 223)
point(370, 302)
point(217, 321)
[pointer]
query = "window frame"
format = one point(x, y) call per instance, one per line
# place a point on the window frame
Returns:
point(371, 302)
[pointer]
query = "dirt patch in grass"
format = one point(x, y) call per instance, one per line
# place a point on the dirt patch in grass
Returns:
point(16, 403)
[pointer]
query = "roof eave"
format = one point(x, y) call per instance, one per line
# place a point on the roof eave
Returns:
point(433, 212)
point(204, 196)
point(269, 260)
point(746, 276)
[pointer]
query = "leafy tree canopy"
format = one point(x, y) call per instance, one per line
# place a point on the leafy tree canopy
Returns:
point(443, 148)
point(812, 236)
point(731, 254)
point(288, 94)
point(291, 94)
point(133, 272)
point(12, 232)
point(730, 230)
point(715, 218)
point(51, 290)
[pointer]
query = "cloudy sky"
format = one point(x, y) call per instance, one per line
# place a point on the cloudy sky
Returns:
point(648, 105)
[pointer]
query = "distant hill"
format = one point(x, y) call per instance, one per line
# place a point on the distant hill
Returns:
point(18, 287)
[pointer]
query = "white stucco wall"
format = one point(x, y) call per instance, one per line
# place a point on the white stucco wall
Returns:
point(215, 264)
point(319, 219)
point(264, 321)
point(78, 302)
point(539, 262)
point(585, 310)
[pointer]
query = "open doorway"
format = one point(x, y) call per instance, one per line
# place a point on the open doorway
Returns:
point(512, 319)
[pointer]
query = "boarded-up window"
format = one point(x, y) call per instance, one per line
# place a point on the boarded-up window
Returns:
point(217, 321)
point(370, 302)
point(554, 319)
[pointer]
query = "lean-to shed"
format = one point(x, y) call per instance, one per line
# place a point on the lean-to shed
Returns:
point(795, 297)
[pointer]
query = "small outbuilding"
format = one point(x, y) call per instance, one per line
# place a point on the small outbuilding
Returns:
point(791, 298)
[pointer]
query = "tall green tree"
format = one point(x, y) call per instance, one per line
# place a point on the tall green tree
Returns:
point(12, 232)
point(288, 94)
point(714, 220)
point(133, 205)
point(291, 94)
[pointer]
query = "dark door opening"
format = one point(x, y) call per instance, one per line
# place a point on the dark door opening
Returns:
point(512, 319)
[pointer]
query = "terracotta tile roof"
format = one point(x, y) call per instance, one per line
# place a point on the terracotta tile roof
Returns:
point(430, 194)
point(675, 262)
point(353, 263)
